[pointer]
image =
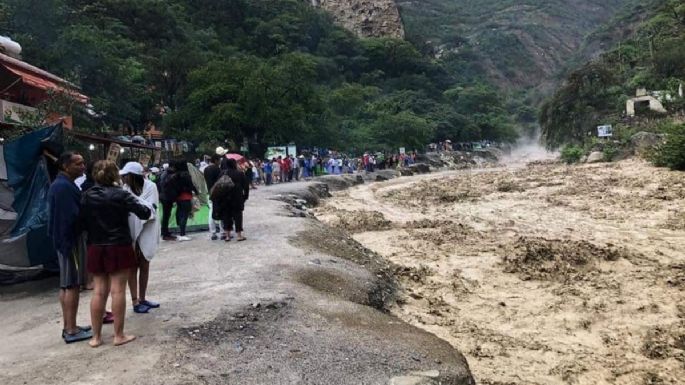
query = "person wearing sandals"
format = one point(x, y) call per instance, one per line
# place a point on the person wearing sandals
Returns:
point(64, 207)
point(232, 205)
point(145, 235)
point(104, 216)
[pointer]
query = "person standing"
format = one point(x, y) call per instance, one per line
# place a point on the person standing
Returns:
point(267, 166)
point(145, 235)
point(104, 216)
point(211, 174)
point(233, 203)
point(64, 201)
point(296, 167)
point(183, 184)
point(167, 196)
point(276, 167)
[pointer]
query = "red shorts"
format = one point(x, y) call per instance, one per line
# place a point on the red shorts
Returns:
point(105, 259)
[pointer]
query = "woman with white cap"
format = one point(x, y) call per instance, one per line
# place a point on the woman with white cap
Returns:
point(145, 235)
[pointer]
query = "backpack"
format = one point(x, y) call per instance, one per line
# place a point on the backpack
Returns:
point(169, 188)
point(222, 187)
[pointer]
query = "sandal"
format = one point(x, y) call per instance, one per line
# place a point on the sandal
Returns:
point(81, 328)
point(141, 308)
point(108, 318)
point(242, 239)
point(80, 335)
point(150, 304)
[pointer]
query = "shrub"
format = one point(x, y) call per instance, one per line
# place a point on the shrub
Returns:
point(609, 152)
point(571, 154)
point(671, 153)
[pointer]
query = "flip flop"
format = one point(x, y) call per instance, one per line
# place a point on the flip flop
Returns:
point(108, 318)
point(150, 304)
point(81, 335)
point(141, 308)
point(84, 328)
point(242, 239)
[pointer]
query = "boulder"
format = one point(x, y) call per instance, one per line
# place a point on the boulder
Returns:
point(643, 141)
point(420, 168)
point(595, 157)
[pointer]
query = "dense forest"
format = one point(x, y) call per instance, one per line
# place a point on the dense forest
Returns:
point(262, 71)
point(651, 57)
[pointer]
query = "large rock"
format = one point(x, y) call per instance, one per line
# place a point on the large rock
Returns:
point(420, 168)
point(378, 18)
point(642, 142)
point(595, 157)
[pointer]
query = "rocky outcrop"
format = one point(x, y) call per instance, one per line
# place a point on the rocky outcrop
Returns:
point(365, 17)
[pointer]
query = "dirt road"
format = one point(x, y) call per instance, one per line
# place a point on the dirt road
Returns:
point(545, 274)
point(285, 307)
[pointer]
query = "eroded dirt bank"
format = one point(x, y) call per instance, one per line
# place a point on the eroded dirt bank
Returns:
point(548, 274)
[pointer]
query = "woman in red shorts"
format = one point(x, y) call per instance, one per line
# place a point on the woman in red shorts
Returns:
point(104, 216)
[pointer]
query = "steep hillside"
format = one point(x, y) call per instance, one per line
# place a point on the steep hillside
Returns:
point(652, 57)
point(378, 18)
point(518, 44)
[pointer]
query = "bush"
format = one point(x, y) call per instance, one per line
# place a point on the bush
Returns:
point(572, 154)
point(671, 154)
point(609, 152)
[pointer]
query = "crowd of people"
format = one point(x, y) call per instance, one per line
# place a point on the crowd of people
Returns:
point(289, 168)
point(105, 227)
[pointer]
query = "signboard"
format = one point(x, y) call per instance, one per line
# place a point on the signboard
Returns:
point(158, 157)
point(13, 113)
point(605, 131)
point(114, 151)
point(402, 150)
point(144, 159)
point(275, 152)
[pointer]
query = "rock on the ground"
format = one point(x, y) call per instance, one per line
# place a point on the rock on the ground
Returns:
point(595, 157)
point(420, 168)
point(642, 141)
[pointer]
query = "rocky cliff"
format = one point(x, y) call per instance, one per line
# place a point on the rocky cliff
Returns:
point(365, 17)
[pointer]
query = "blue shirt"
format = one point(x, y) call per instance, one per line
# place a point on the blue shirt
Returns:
point(64, 203)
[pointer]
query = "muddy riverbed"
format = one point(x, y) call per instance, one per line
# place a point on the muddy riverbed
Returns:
point(543, 274)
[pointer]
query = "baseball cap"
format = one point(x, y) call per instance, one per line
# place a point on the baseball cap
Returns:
point(132, 168)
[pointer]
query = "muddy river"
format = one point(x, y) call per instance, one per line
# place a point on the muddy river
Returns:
point(539, 274)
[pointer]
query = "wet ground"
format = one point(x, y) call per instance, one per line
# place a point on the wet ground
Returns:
point(294, 304)
point(541, 274)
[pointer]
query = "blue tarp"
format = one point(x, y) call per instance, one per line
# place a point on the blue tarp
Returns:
point(27, 175)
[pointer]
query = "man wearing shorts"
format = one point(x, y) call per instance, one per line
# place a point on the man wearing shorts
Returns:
point(64, 200)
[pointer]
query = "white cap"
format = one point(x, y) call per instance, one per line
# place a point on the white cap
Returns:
point(221, 151)
point(154, 170)
point(132, 168)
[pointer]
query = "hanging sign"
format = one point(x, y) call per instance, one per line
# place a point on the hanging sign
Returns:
point(114, 151)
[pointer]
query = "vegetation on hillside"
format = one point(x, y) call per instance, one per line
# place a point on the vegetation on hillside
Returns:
point(262, 71)
point(518, 47)
point(514, 44)
point(652, 58)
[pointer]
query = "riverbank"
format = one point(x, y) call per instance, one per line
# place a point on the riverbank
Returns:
point(295, 304)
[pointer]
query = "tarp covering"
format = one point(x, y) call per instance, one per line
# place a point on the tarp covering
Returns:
point(27, 243)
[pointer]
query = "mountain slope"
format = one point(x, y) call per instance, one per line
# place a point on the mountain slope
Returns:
point(518, 44)
point(652, 56)
point(379, 18)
